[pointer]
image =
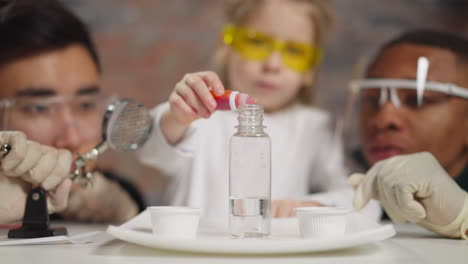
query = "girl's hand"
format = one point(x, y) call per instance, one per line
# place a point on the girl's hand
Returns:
point(285, 208)
point(191, 98)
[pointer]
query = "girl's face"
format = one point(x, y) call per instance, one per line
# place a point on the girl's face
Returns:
point(270, 80)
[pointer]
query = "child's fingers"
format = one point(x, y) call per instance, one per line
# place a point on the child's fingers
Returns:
point(284, 209)
point(202, 91)
point(294, 205)
point(189, 96)
point(273, 208)
point(179, 103)
point(213, 82)
point(292, 212)
point(280, 209)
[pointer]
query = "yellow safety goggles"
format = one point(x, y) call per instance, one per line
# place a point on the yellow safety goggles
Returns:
point(258, 46)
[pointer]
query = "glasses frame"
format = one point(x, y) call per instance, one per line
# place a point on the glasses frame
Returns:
point(9, 102)
point(393, 84)
point(229, 35)
point(447, 88)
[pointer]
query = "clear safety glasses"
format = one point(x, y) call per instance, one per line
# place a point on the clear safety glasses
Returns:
point(53, 114)
point(376, 92)
point(258, 46)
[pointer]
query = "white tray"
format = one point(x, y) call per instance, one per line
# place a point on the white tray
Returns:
point(213, 238)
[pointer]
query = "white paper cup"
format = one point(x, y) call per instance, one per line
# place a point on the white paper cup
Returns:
point(321, 221)
point(174, 221)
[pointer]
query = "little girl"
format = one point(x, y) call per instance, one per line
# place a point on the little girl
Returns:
point(271, 50)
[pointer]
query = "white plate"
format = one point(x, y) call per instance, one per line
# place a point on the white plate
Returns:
point(284, 239)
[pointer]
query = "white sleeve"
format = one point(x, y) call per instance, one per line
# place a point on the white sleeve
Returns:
point(172, 160)
point(330, 177)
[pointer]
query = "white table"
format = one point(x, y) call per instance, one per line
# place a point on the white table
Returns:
point(411, 245)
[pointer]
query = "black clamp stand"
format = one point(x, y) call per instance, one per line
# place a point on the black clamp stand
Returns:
point(36, 218)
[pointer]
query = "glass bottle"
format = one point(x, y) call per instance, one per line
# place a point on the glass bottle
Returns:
point(250, 175)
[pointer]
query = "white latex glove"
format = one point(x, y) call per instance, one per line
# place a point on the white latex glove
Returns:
point(415, 188)
point(31, 164)
point(102, 201)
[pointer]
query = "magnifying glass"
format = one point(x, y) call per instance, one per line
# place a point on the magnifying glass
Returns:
point(126, 127)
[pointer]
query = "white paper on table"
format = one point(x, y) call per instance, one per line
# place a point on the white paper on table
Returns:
point(76, 239)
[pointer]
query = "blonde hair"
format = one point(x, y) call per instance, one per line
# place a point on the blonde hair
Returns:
point(239, 11)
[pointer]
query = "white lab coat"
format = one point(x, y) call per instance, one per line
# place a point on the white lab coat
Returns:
point(306, 163)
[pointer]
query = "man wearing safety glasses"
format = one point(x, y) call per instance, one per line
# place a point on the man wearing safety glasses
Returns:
point(52, 105)
point(414, 131)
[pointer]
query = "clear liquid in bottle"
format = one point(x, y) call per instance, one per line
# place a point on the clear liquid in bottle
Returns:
point(250, 176)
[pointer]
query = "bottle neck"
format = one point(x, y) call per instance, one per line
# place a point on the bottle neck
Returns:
point(250, 119)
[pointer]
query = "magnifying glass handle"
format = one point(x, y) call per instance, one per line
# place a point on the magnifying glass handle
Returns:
point(80, 173)
point(93, 154)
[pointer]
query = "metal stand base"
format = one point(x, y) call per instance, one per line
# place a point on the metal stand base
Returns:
point(36, 218)
point(31, 233)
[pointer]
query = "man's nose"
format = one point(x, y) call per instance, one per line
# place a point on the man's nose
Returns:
point(388, 117)
point(69, 135)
